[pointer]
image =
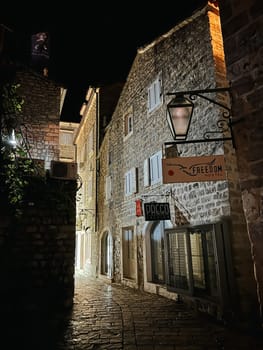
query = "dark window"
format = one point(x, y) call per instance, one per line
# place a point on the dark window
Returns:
point(198, 261)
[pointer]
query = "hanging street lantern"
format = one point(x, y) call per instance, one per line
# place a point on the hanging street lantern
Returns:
point(179, 114)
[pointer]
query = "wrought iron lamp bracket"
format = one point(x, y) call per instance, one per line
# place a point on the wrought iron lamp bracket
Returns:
point(222, 126)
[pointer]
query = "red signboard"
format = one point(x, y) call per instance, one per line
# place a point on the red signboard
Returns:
point(139, 207)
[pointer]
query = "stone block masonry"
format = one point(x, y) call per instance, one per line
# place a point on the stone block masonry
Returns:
point(40, 115)
point(37, 252)
point(242, 32)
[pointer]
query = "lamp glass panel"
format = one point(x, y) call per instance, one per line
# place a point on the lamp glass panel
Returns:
point(180, 119)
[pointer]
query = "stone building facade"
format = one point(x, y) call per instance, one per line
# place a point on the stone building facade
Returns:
point(202, 253)
point(96, 114)
point(242, 32)
point(85, 141)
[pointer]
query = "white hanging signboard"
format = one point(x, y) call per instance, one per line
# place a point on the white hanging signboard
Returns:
point(193, 169)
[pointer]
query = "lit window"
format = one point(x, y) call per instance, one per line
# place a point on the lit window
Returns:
point(66, 138)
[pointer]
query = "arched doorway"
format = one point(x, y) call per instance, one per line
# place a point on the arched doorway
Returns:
point(107, 255)
point(157, 252)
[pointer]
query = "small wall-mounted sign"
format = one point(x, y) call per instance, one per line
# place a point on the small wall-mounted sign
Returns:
point(138, 204)
point(191, 169)
point(156, 211)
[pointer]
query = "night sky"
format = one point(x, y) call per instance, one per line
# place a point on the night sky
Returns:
point(92, 45)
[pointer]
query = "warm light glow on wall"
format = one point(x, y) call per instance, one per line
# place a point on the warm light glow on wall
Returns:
point(217, 43)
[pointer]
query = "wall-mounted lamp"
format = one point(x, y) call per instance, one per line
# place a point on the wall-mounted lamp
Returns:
point(12, 139)
point(180, 110)
point(8, 141)
point(179, 114)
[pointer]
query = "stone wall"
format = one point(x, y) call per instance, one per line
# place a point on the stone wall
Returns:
point(242, 24)
point(37, 252)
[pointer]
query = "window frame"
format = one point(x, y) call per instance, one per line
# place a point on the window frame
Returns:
point(128, 253)
point(153, 169)
point(128, 124)
point(66, 137)
point(130, 182)
point(154, 94)
point(222, 256)
point(159, 249)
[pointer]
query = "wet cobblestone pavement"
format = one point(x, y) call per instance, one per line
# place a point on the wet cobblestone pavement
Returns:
point(109, 316)
point(115, 317)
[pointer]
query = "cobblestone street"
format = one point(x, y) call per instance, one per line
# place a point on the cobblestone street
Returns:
point(110, 316)
point(114, 317)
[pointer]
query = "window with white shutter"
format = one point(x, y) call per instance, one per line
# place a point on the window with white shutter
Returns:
point(156, 168)
point(130, 182)
point(66, 137)
point(155, 94)
point(146, 172)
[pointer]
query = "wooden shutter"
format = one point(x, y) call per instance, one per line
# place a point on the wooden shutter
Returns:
point(146, 170)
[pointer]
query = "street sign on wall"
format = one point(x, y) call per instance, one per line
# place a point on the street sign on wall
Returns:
point(191, 169)
point(139, 211)
point(154, 211)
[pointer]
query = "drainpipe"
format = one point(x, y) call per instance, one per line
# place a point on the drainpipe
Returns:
point(97, 126)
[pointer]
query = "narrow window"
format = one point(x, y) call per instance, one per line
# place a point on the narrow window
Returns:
point(154, 94)
point(156, 168)
point(130, 182)
point(128, 124)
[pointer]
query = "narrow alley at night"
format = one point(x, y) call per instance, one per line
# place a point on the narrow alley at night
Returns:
point(137, 225)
